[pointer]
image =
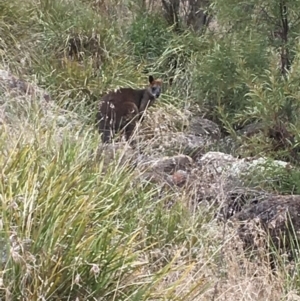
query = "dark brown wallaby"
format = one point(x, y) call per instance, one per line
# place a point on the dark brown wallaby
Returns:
point(123, 108)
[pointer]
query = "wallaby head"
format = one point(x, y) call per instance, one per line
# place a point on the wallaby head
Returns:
point(155, 86)
point(124, 107)
point(152, 92)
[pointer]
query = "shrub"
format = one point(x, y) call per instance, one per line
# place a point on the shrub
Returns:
point(149, 36)
point(219, 86)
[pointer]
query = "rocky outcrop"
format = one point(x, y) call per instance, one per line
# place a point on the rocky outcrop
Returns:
point(203, 127)
point(15, 86)
point(272, 222)
point(173, 170)
point(216, 180)
point(20, 100)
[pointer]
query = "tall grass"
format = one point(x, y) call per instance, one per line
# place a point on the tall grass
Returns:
point(69, 228)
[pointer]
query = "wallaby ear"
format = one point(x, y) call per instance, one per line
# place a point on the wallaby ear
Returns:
point(151, 79)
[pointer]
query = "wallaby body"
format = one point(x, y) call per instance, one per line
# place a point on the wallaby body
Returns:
point(123, 108)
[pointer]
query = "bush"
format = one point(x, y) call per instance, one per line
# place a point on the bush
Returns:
point(219, 85)
point(149, 35)
point(274, 178)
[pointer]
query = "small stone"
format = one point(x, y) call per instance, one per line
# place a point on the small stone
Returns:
point(180, 177)
point(61, 121)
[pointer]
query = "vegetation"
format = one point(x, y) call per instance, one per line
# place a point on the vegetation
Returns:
point(73, 227)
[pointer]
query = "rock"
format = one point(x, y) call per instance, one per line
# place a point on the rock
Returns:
point(216, 178)
point(179, 177)
point(251, 129)
point(221, 181)
point(61, 121)
point(20, 99)
point(191, 145)
point(166, 171)
point(174, 143)
point(217, 159)
point(16, 86)
point(171, 164)
point(217, 182)
point(238, 198)
point(229, 144)
point(277, 216)
point(234, 167)
point(203, 127)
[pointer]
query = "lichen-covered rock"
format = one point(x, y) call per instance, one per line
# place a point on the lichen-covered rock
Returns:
point(21, 100)
point(180, 177)
point(15, 86)
point(251, 129)
point(203, 127)
point(173, 170)
point(221, 181)
point(171, 164)
point(226, 164)
point(274, 221)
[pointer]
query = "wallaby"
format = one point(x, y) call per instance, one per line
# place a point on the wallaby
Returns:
point(123, 108)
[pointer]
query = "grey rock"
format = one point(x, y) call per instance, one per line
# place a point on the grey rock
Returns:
point(203, 127)
point(12, 84)
point(273, 221)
